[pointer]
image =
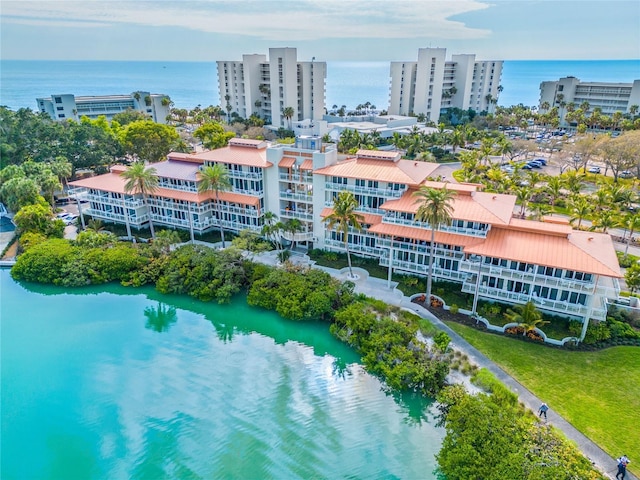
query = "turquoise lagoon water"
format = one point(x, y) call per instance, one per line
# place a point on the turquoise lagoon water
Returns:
point(121, 383)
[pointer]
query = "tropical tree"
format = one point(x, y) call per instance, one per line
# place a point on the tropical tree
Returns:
point(343, 218)
point(141, 180)
point(631, 222)
point(213, 135)
point(148, 140)
point(554, 188)
point(526, 316)
point(215, 178)
point(292, 227)
point(579, 208)
point(435, 207)
point(287, 112)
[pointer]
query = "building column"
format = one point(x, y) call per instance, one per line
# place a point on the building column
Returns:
point(585, 320)
point(475, 295)
point(390, 264)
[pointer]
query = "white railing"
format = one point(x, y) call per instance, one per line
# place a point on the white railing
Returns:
point(242, 174)
point(297, 177)
point(421, 249)
point(182, 188)
point(305, 197)
point(299, 214)
point(424, 269)
point(109, 200)
point(542, 303)
point(355, 248)
point(537, 279)
point(116, 217)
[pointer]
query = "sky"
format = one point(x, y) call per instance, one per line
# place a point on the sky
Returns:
point(329, 30)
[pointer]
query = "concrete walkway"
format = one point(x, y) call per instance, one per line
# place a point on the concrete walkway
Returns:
point(377, 288)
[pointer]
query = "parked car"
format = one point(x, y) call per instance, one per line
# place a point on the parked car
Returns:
point(594, 170)
point(540, 160)
point(626, 174)
point(527, 167)
point(534, 164)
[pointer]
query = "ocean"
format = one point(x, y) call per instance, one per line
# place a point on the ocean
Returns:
point(196, 83)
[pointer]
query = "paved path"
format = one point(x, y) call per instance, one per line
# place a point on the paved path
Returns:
point(377, 288)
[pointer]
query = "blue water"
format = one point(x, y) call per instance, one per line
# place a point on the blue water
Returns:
point(196, 83)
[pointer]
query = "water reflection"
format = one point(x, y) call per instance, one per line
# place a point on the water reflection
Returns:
point(160, 318)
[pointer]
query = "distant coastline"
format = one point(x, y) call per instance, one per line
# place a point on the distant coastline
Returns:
point(192, 83)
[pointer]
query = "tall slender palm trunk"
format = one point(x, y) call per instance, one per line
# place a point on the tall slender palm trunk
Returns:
point(220, 219)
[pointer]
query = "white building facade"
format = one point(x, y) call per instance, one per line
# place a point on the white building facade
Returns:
point(68, 106)
point(432, 84)
point(485, 250)
point(609, 97)
point(265, 87)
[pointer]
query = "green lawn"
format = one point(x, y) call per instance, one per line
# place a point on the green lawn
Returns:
point(597, 392)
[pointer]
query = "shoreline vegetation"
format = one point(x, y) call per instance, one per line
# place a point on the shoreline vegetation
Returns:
point(488, 435)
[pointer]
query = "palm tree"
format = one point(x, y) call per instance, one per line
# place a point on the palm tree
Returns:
point(292, 227)
point(631, 221)
point(343, 217)
point(215, 178)
point(554, 189)
point(287, 112)
point(435, 208)
point(526, 316)
point(580, 207)
point(141, 180)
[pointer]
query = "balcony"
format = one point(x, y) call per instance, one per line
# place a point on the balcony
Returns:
point(355, 248)
point(423, 269)
point(109, 200)
point(422, 249)
point(116, 217)
point(305, 197)
point(297, 177)
point(299, 214)
point(243, 174)
point(471, 266)
point(378, 192)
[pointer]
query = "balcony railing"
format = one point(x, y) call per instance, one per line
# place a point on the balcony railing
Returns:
point(353, 247)
point(117, 217)
point(424, 269)
point(299, 214)
point(422, 249)
point(542, 303)
point(243, 174)
point(305, 197)
point(109, 200)
point(297, 177)
point(470, 266)
point(378, 192)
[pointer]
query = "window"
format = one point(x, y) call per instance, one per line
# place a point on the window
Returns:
point(61, 115)
point(59, 109)
point(58, 99)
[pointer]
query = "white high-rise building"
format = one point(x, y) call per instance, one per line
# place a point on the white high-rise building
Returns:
point(264, 87)
point(432, 84)
point(67, 106)
point(609, 97)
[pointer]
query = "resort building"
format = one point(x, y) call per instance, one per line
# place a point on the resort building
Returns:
point(433, 84)
point(487, 251)
point(265, 88)
point(67, 106)
point(609, 97)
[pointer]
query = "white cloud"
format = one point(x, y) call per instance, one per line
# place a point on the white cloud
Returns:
point(266, 19)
